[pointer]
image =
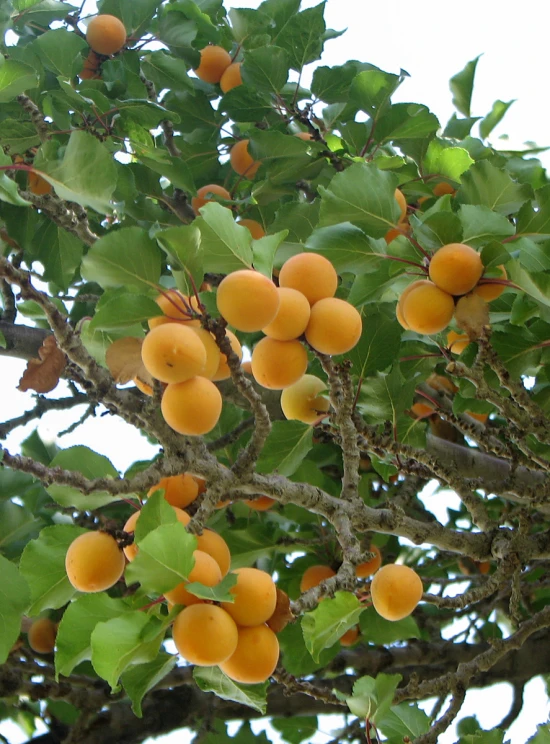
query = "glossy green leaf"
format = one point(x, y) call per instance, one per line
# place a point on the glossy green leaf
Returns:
point(212, 679)
point(60, 51)
point(266, 68)
point(14, 600)
point(303, 37)
point(493, 118)
point(378, 345)
point(462, 85)
point(225, 245)
point(406, 719)
point(481, 225)
point(329, 621)
point(124, 310)
point(492, 187)
point(92, 465)
point(140, 678)
point(15, 78)
point(286, 446)
point(375, 629)
point(346, 247)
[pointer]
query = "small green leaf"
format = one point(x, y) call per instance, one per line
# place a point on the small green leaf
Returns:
point(492, 187)
point(59, 252)
point(14, 600)
point(92, 465)
point(481, 225)
point(346, 247)
point(494, 117)
point(139, 679)
point(166, 71)
point(182, 246)
point(212, 679)
point(403, 720)
point(296, 729)
point(218, 593)
point(15, 78)
point(266, 68)
point(18, 135)
point(60, 51)
point(154, 513)
point(535, 223)
point(287, 445)
point(303, 37)
point(226, 246)
point(264, 250)
point(329, 621)
point(375, 629)
point(124, 310)
point(462, 85)
point(378, 345)
point(451, 162)
point(372, 89)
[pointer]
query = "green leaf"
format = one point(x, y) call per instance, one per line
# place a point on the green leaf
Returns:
point(124, 257)
point(542, 736)
point(266, 68)
point(296, 658)
point(124, 310)
point(174, 169)
point(44, 12)
point(86, 174)
point(97, 342)
point(73, 641)
point(481, 225)
point(405, 719)
point(18, 135)
point(535, 284)
point(329, 621)
point(119, 643)
point(139, 679)
point(182, 246)
point(92, 465)
point(535, 223)
point(492, 187)
point(8, 188)
point(303, 37)
point(244, 104)
point(165, 71)
point(459, 128)
point(375, 629)
point(43, 566)
point(264, 250)
point(494, 117)
point(218, 593)
point(212, 679)
point(60, 51)
point(462, 85)
point(14, 600)
point(451, 162)
point(287, 445)
point(517, 349)
point(59, 252)
point(437, 229)
point(372, 89)
point(378, 346)
point(15, 78)
point(226, 246)
point(296, 729)
point(346, 247)
point(156, 512)
point(405, 121)
point(362, 195)
point(17, 523)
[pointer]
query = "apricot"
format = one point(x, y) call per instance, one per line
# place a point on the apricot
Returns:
point(422, 410)
point(350, 636)
point(204, 195)
point(87, 74)
point(216, 547)
point(402, 201)
point(395, 591)
point(242, 161)
point(94, 562)
point(311, 274)
point(426, 308)
point(292, 316)
point(247, 300)
point(176, 308)
point(205, 634)
point(262, 503)
point(255, 596)
point(179, 490)
point(314, 575)
point(247, 367)
point(130, 551)
point(442, 188)
point(490, 292)
point(334, 326)
point(41, 635)
point(362, 570)
point(254, 228)
point(442, 384)
point(255, 657)
point(483, 567)
point(403, 228)
point(302, 401)
point(143, 386)
point(456, 268)
point(481, 417)
point(223, 372)
point(306, 136)
point(173, 353)
point(38, 185)
point(212, 352)
point(214, 62)
point(231, 77)
point(106, 34)
point(457, 342)
point(278, 364)
point(192, 407)
point(206, 571)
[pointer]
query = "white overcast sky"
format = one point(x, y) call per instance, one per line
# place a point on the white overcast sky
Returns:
point(432, 40)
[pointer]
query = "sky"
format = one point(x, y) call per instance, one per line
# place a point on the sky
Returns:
point(431, 41)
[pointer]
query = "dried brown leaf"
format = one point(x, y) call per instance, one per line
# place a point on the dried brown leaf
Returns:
point(42, 375)
point(282, 615)
point(123, 358)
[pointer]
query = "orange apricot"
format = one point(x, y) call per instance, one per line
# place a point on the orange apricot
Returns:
point(130, 551)
point(306, 136)
point(490, 291)
point(247, 300)
point(311, 274)
point(231, 77)
point(176, 309)
point(41, 635)
point(456, 268)
point(402, 201)
point(38, 185)
point(442, 384)
point(179, 490)
point(173, 353)
point(334, 326)
point(206, 571)
point(205, 634)
point(426, 308)
point(262, 503)
point(88, 74)
point(362, 570)
point(422, 410)
point(214, 62)
point(204, 195)
point(216, 547)
point(442, 188)
point(247, 367)
point(395, 591)
point(457, 342)
point(255, 657)
point(314, 575)
point(255, 596)
point(481, 417)
point(212, 352)
point(145, 388)
point(223, 372)
point(106, 34)
point(483, 567)
point(254, 227)
point(192, 407)
point(350, 636)
point(403, 228)
point(94, 562)
point(278, 364)
point(303, 402)
point(242, 161)
point(292, 315)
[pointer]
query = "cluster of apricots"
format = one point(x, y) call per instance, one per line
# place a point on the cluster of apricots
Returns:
point(238, 636)
point(441, 384)
point(428, 305)
point(106, 35)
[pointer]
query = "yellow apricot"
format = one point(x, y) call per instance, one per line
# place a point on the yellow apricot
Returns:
point(247, 300)
point(490, 291)
point(214, 62)
point(442, 384)
point(306, 136)
point(403, 228)
point(402, 201)
point(204, 195)
point(247, 367)
point(205, 634)
point(143, 386)
point(314, 575)
point(262, 503)
point(223, 372)
point(176, 309)
point(362, 570)
point(422, 410)
point(456, 268)
point(302, 401)
point(311, 274)
point(395, 591)
point(38, 185)
point(130, 551)
point(179, 490)
point(106, 34)
point(426, 308)
point(254, 227)
point(255, 657)
point(350, 636)
point(94, 562)
point(255, 596)
point(216, 547)
point(481, 417)
point(442, 188)
point(212, 352)
point(334, 326)
point(231, 77)
point(192, 407)
point(206, 571)
point(457, 342)
point(173, 353)
point(292, 315)
point(41, 635)
point(242, 161)
point(278, 364)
